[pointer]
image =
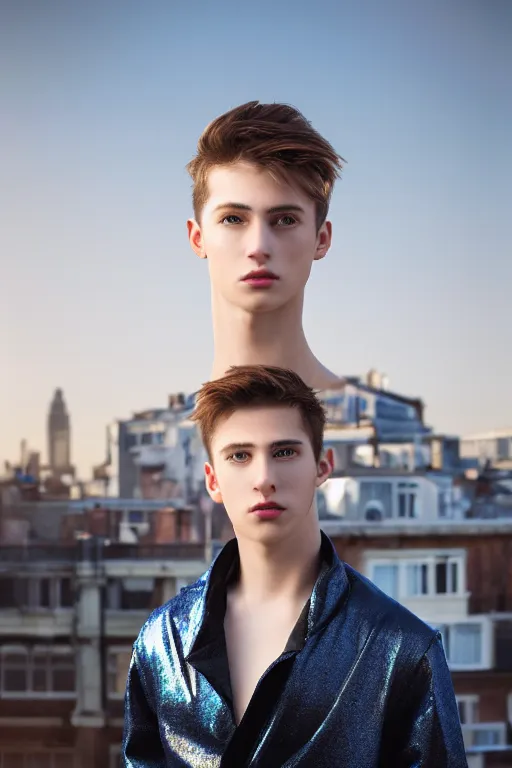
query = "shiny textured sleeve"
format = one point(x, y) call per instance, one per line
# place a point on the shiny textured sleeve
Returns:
point(426, 731)
point(142, 746)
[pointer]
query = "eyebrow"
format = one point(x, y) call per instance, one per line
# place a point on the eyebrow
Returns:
point(233, 447)
point(274, 209)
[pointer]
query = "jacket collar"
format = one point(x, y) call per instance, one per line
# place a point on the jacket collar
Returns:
point(330, 590)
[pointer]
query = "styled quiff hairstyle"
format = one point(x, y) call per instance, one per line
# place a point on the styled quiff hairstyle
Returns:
point(247, 386)
point(274, 137)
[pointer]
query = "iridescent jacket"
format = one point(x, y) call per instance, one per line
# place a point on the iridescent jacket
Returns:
point(362, 683)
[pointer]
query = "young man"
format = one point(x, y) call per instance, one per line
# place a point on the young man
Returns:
point(262, 183)
point(281, 655)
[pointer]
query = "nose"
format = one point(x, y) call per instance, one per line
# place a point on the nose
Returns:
point(264, 481)
point(259, 242)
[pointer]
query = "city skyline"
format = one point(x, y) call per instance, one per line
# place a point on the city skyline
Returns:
point(103, 296)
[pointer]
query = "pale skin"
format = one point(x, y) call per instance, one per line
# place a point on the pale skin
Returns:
point(251, 221)
point(264, 455)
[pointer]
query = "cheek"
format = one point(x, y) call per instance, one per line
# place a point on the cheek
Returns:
point(301, 254)
point(302, 480)
point(231, 486)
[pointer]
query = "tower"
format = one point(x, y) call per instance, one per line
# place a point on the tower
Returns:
point(59, 435)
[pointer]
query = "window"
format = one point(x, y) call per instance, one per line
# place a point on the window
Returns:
point(485, 734)
point(136, 516)
point(417, 578)
point(376, 495)
point(407, 500)
point(44, 593)
point(468, 709)
point(488, 735)
point(50, 594)
point(146, 438)
point(130, 441)
point(463, 644)
point(386, 578)
point(446, 577)
point(118, 665)
point(421, 576)
point(37, 672)
point(503, 448)
point(13, 593)
point(67, 596)
point(130, 594)
point(14, 671)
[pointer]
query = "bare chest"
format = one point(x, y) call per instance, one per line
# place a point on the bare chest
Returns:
point(253, 643)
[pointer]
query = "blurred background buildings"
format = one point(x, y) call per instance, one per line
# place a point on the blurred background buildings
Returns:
point(426, 516)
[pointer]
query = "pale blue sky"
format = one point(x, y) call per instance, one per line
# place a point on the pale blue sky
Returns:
point(101, 107)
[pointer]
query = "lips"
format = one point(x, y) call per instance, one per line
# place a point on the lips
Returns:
point(259, 274)
point(267, 505)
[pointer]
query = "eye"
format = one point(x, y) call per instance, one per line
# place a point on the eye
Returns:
point(231, 219)
point(238, 457)
point(285, 453)
point(286, 221)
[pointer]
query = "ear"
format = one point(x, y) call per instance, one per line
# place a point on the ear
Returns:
point(195, 238)
point(211, 484)
point(323, 240)
point(325, 467)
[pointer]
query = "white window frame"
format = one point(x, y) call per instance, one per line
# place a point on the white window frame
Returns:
point(469, 731)
point(23, 650)
point(430, 558)
point(471, 703)
point(112, 652)
point(487, 658)
point(408, 489)
point(34, 594)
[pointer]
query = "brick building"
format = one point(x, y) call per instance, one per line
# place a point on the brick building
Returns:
point(81, 579)
point(457, 576)
point(68, 617)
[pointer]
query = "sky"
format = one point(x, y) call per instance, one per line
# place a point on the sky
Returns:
point(102, 104)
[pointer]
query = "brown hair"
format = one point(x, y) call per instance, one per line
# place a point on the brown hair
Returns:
point(258, 385)
point(276, 137)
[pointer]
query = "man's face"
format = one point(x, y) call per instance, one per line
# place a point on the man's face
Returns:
point(264, 472)
point(260, 237)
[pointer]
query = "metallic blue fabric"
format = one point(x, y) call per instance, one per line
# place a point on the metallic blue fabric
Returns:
point(368, 687)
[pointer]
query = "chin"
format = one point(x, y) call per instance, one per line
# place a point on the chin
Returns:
point(258, 304)
point(270, 535)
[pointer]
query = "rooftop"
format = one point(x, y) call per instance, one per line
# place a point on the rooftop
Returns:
point(493, 434)
point(368, 529)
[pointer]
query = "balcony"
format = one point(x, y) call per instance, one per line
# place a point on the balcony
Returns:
point(37, 553)
point(125, 624)
point(437, 608)
point(178, 551)
point(25, 622)
point(69, 554)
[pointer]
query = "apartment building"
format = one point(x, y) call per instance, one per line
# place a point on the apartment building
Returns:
point(457, 576)
point(69, 614)
point(493, 447)
point(70, 609)
point(77, 580)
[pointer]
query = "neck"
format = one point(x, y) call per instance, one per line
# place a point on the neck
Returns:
point(286, 570)
point(265, 338)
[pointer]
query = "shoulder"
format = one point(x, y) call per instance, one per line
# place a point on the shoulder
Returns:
point(176, 620)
